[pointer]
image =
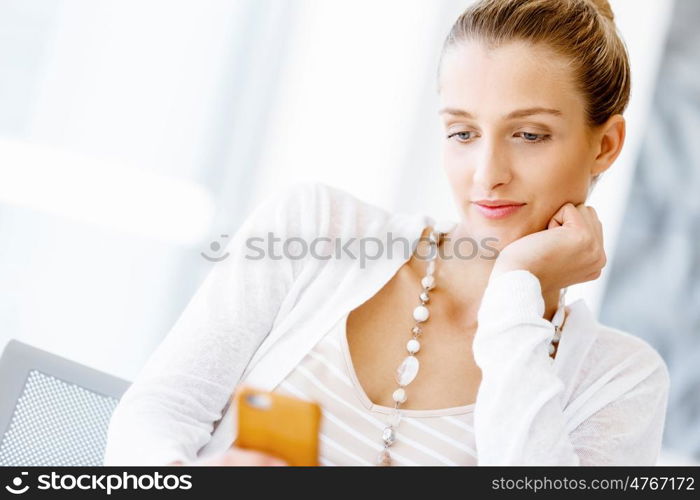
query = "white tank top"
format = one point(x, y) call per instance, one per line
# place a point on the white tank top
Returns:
point(351, 426)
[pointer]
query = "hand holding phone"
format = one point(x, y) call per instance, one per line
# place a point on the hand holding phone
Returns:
point(278, 425)
point(235, 456)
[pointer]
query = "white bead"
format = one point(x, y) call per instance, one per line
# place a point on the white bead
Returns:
point(388, 436)
point(413, 346)
point(558, 318)
point(407, 370)
point(424, 297)
point(551, 349)
point(431, 267)
point(394, 419)
point(557, 336)
point(428, 282)
point(421, 313)
point(399, 395)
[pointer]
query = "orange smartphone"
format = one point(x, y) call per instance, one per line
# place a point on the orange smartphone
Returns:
point(279, 425)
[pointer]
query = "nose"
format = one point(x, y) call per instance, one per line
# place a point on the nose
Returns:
point(492, 167)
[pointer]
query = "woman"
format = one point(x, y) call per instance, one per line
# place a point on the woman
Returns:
point(494, 367)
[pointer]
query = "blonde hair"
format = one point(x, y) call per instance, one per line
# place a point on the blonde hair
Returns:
point(582, 31)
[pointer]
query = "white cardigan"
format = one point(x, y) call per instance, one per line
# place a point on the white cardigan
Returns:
point(602, 401)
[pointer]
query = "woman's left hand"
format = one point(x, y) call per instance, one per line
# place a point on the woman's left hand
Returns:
point(569, 251)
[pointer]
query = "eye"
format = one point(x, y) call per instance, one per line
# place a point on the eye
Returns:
point(461, 136)
point(528, 137)
point(535, 138)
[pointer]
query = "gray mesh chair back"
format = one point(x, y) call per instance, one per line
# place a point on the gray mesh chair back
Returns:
point(53, 412)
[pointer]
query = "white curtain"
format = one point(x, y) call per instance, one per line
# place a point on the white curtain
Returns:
point(129, 140)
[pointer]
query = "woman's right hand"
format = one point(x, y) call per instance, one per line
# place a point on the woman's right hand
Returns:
point(240, 457)
point(568, 252)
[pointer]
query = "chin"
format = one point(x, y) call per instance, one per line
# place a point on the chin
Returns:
point(499, 234)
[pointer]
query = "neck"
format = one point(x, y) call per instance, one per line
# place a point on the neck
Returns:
point(464, 280)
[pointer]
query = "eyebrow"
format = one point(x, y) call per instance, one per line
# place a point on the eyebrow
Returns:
point(520, 113)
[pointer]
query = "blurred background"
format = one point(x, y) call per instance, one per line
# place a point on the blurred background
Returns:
point(135, 135)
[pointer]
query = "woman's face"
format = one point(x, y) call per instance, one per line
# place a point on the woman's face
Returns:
point(540, 159)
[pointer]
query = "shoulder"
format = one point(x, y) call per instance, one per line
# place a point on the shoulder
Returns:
point(326, 210)
point(633, 354)
point(317, 191)
point(619, 374)
point(618, 359)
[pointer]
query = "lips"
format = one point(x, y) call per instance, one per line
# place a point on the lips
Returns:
point(497, 209)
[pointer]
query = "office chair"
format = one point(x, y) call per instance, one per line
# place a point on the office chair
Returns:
point(53, 411)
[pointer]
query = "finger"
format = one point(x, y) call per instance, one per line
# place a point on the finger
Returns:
point(569, 216)
point(589, 215)
point(597, 226)
point(591, 219)
point(553, 223)
point(593, 216)
point(255, 457)
point(278, 463)
point(558, 218)
point(273, 461)
point(239, 456)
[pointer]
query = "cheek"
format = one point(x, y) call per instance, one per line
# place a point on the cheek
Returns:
point(570, 182)
point(557, 185)
point(455, 170)
point(570, 173)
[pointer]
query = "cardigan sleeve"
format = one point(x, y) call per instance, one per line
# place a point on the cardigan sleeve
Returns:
point(519, 415)
point(169, 411)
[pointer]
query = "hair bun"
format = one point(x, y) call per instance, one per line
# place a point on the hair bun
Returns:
point(603, 7)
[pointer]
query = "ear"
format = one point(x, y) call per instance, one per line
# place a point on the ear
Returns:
point(609, 140)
